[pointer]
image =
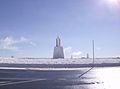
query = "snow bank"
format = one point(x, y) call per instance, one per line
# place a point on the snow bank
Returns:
point(56, 61)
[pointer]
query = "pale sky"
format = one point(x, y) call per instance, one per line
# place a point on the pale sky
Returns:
point(28, 28)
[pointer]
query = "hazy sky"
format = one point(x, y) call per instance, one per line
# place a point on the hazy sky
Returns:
point(30, 27)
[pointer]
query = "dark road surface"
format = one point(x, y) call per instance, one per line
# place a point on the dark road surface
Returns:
point(59, 79)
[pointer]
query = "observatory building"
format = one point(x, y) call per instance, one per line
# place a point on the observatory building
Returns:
point(58, 50)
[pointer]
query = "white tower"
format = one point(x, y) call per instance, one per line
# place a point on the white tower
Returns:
point(58, 50)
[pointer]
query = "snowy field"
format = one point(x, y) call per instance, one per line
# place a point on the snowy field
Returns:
point(56, 61)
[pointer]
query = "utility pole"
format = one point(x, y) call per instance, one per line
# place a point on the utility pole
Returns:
point(93, 51)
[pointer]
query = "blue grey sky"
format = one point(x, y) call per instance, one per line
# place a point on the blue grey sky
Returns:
point(28, 28)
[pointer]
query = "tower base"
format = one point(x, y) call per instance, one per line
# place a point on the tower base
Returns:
point(58, 53)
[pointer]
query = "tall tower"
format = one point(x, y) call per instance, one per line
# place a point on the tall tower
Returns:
point(58, 50)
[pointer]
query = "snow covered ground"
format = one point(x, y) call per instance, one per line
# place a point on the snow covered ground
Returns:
point(55, 61)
